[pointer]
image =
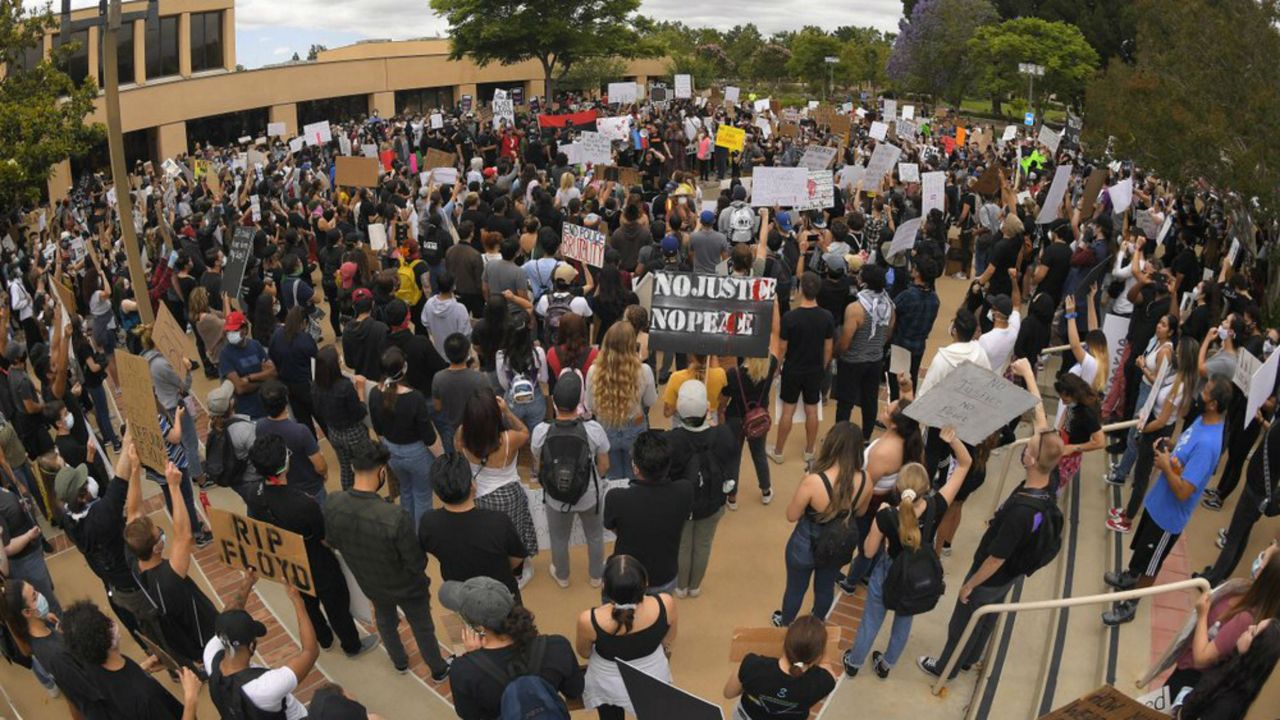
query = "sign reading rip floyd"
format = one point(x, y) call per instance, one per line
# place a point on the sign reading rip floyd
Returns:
point(247, 544)
point(712, 314)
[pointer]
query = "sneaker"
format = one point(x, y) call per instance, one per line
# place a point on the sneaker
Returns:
point(681, 593)
point(1120, 580)
point(116, 445)
point(1120, 525)
point(326, 646)
point(203, 538)
point(367, 643)
point(1222, 533)
point(776, 618)
point(595, 582)
point(849, 669)
point(1221, 542)
point(1111, 479)
point(54, 692)
point(695, 592)
point(1213, 502)
point(959, 276)
point(879, 666)
point(808, 459)
point(439, 677)
point(847, 586)
point(775, 456)
point(525, 575)
point(946, 549)
point(929, 665)
point(1122, 613)
point(556, 576)
point(1115, 512)
point(402, 669)
point(731, 503)
point(766, 497)
point(1205, 573)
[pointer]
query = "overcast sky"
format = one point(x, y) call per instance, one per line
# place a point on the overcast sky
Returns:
point(271, 31)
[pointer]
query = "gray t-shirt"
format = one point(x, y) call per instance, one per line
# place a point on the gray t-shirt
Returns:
point(708, 246)
point(599, 441)
point(503, 275)
point(1223, 363)
point(454, 387)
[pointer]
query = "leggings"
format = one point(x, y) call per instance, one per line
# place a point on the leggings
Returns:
point(858, 385)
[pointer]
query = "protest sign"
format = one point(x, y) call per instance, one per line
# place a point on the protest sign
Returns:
point(655, 699)
point(623, 92)
point(789, 130)
point(615, 128)
point(976, 401)
point(878, 130)
point(1122, 196)
point(731, 95)
point(1233, 252)
point(276, 129)
point(138, 397)
point(275, 553)
point(1049, 138)
point(908, 112)
point(712, 314)
point(255, 208)
point(908, 172)
point(684, 87)
point(595, 148)
point(437, 121)
point(237, 259)
point(760, 106)
point(932, 192)
point(883, 158)
point(899, 359)
point(170, 340)
point(443, 175)
point(437, 159)
point(989, 183)
point(1010, 132)
point(295, 145)
point(1105, 703)
point(582, 244)
point(317, 133)
point(730, 137)
point(572, 153)
point(818, 157)
point(369, 150)
point(1114, 327)
point(1247, 365)
point(904, 237)
point(1092, 188)
point(1053, 201)
point(781, 186)
point(860, 112)
point(766, 127)
point(820, 191)
point(465, 103)
point(906, 129)
point(1261, 385)
point(377, 237)
point(504, 112)
point(344, 144)
point(357, 171)
point(1071, 133)
point(890, 109)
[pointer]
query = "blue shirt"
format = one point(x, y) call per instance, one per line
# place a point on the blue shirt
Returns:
point(244, 361)
point(1198, 449)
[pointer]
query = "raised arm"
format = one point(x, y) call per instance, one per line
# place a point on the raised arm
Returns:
point(1073, 332)
point(963, 462)
point(1022, 367)
point(180, 547)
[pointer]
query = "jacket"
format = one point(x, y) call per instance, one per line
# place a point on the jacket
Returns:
point(949, 358)
point(378, 542)
point(363, 342)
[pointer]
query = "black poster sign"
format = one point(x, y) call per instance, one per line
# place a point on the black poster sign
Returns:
point(237, 260)
point(654, 699)
point(712, 314)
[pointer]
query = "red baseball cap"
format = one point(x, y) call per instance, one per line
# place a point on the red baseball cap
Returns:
point(235, 321)
point(361, 294)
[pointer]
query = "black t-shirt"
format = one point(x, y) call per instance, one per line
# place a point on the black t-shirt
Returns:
point(806, 330)
point(1006, 535)
point(750, 391)
point(1004, 253)
point(1146, 315)
point(648, 520)
point(1082, 422)
point(887, 521)
point(68, 673)
point(410, 419)
point(132, 694)
point(834, 296)
point(1057, 258)
point(16, 521)
point(770, 694)
point(477, 695)
point(475, 543)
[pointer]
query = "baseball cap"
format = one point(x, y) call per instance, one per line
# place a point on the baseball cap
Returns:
point(235, 321)
point(361, 294)
point(490, 172)
point(220, 398)
point(481, 601)
point(568, 392)
point(817, 220)
point(784, 221)
point(69, 480)
point(670, 186)
point(707, 217)
point(691, 401)
point(670, 245)
point(565, 273)
point(835, 262)
point(1001, 304)
point(237, 628)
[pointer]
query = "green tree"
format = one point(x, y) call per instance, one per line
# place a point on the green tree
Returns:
point(809, 51)
point(592, 74)
point(863, 56)
point(1068, 60)
point(741, 44)
point(931, 54)
point(1106, 24)
point(315, 51)
point(42, 112)
point(1189, 114)
point(556, 34)
point(770, 64)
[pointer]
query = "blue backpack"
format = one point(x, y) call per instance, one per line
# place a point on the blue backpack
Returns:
point(526, 695)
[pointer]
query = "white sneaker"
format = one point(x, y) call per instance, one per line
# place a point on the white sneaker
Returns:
point(1222, 532)
point(1115, 512)
point(808, 460)
point(525, 575)
point(681, 593)
point(595, 582)
point(695, 592)
point(766, 497)
point(777, 457)
point(731, 504)
point(555, 576)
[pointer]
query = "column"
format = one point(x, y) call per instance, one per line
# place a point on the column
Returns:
point(95, 40)
point(139, 51)
point(642, 85)
point(229, 38)
point(184, 45)
point(466, 89)
point(535, 88)
point(383, 102)
point(287, 114)
point(60, 181)
point(171, 140)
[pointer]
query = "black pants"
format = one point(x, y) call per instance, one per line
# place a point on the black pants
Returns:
point(1248, 511)
point(916, 358)
point(1239, 442)
point(1142, 469)
point(333, 596)
point(858, 385)
point(300, 404)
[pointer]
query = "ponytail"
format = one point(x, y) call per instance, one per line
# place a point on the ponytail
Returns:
point(908, 523)
point(624, 614)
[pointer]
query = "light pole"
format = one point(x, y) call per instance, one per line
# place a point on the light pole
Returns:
point(831, 61)
point(1032, 71)
point(110, 19)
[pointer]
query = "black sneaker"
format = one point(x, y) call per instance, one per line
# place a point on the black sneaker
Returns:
point(204, 538)
point(929, 665)
point(1120, 580)
point(116, 445)
point(1116, 448)
point(367, 643)
point(849, 669)
point(879, 666)
point(776, 618)
point(847, 586)
point(441, 676)
point(1122, 613)
point(326, 646)
point(1213, 502)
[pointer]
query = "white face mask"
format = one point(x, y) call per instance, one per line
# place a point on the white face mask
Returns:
point(234, 337)
point(1256, 567)
point(92, 486)
point(1268, 346)
point(69, 421)
point(1222, 333)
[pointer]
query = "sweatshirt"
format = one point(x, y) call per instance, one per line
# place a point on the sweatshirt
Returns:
point(949, 358)
point(444, 317)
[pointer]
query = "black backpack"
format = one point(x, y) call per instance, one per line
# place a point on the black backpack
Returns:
point(707, 476)
point(566, 468)
point(1046, 532)
point(526, 695)
point(221, 464)
point(227, 694)
point(838, 537)
point(914, 583)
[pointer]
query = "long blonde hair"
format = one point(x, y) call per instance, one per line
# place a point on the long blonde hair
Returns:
point(913, 484)
point(615, 385)
point(566, 180)
point(758, 368)
point(1096, 345)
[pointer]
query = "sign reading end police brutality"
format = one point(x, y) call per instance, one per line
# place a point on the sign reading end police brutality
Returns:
point(276, 554)
point(712, 314)
point(583, 244)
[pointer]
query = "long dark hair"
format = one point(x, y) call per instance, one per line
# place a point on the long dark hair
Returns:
point(293, 322)
point(481, 426)
point(805, 643)
point(264, 319)
point(625, 583)
point(842, 447)
point(393, 369)
point(1230, 688)
point(573, 339)
point(11, 611)
point(517, 346)
point(328, 369)
point(909, 429)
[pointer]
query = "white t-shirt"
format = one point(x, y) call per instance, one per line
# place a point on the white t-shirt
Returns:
point(998, 343)
point(268, 689)
point(1086, 370)
point(539, 362)
point(599, 442)
point(578, 305)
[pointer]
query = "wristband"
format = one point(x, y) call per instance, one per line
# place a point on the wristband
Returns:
point(1071, 316)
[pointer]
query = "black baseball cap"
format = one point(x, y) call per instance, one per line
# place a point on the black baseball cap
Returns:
point(237, 628)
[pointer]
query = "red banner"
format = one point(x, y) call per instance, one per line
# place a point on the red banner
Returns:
point(579, 119)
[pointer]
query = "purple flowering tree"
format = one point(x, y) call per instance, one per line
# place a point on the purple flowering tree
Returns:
point(931, 54)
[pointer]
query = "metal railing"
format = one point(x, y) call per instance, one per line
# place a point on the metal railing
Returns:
point(1007, 608)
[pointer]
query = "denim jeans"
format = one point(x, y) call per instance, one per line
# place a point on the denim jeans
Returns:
point(190, 443)
point(417, 612)
point(801, 566)
point(695, 550)
point(759, 456)
point(1131, 446)
point(33, 570)
point(560, 525)
point(620, 441)
point(445, 429)
point(411, 463)
point(102, 412)
point(873, 614)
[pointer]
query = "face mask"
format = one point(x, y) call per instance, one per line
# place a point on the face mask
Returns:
point(42, 605)
point(69, 421)
point(234, 337)
point(1222, 333)
point(1256, 567)
point(92, 486)
point(275, 308)
point(1268, 346)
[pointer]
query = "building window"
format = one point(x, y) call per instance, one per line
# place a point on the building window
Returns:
point(226, 129)
point(76, 65)
point(337, 109)
point(124, 55)
point(162, 47)
point(206, 41)
point(423, 101)
point(28, 58)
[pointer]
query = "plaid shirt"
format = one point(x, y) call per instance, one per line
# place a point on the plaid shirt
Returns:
point(917, 308)
point(378, 542)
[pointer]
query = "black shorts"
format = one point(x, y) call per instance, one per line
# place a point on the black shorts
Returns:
point(1151, 544)
point(795, 385)
point(972, 482)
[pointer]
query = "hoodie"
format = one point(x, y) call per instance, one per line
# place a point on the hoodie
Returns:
point(444, 317)
point(949, 358)
point(363, 342)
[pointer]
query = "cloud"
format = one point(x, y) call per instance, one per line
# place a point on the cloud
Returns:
point(281, 51)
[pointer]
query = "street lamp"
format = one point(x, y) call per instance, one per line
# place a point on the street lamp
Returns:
point(831, 61)
point(1032, 71)
point(110, 19)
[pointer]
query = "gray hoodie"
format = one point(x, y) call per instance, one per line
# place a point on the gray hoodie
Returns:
point(444, 317)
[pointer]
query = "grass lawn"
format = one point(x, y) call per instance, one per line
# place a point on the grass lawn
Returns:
point(1054, 115)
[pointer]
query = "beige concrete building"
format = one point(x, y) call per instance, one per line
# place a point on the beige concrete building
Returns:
point(180, 85)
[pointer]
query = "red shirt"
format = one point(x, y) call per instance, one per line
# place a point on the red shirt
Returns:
point(509, 145)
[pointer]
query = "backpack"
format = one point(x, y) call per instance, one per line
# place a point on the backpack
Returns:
point(221, 464)
point(528, 695)
point(708, 478)
point(914, 583)
point(521, 389)
point(409, 291)
point(755, 416)
point(741, 222)
point(838, 537)
point(1046, 533)
point(558, 305)
point(565, 466)
point(227, 693)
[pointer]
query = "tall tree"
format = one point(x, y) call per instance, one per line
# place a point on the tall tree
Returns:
point(1106, 24)
point(1068, 60)
point(42, 112)
point(556, 34)
point(314, 51)
point(931, 53)
point(809, 50)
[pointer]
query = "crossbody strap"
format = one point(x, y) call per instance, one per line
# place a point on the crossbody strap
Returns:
point(1266, 467)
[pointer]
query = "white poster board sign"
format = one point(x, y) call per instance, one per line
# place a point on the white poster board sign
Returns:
point(908, 172)
point(908, 112)
point(976, 401)
point(762, 105)
point(583, 244)
point(275, 129)
point(504, 112)
point(731, 95)
point(623, 92)
point(595, 148)
point(818, 157)
point(904, 237)
point(1115, 327)
point(1049, 138)
point(781, 186)
point(899, 359)
point(1010, 132)
point(318, 133)
point(1121, 195)
point(878, 130)
point(369, 150)
point(1053, 201)
point(615, 128)
point(437, 121)
point(933, 192)
point(377, 237)
point(344, 145)
point(820, 191)
point(1149, 406)
point(890, 109)
point(1261, 385)
point(295, 145)
point(1247, 365)
point(883, 158)
point(684, 87)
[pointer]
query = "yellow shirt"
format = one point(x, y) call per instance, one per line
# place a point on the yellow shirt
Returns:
point(716, 380)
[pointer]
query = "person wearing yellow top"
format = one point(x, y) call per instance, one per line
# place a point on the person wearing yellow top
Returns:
point(713, 377)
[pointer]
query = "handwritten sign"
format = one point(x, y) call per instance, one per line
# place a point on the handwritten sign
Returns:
point(237, 260)
point(932, 192)
point(883, 158)
point(781, 186)
point(275, 129)
point(583, 244)
point(684, 87)
point(275, 553)
point(712, 314)
point(820, 191)
point(974, 400)
point(623, 92)
point(1106, 703)
point(1247, 365)
point(878, 130)
point(357, 171)
point(899, 360)
point(170, 340)
point(1049, 138)
point(908, 112)
point(890, 109)
point(908, 172)
point(818, 157)
point(377, 237)
point(318, 133)
point(504, 112)
point(1010, 132)
point(1261, 385)
point(1053, 201)
point(139, 400)
point(595, 148)
point(904, 237)
point(731, 95)
point(730, 137)
point(615, 128)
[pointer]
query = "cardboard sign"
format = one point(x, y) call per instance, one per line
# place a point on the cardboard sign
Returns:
point(154, 650)
point(654, 699)
point(623, 93)
point(933, 192)
point(583, 244)
point(904, 237)
point(781, 186)
point(818, 157)
point(1247, 365)
point(976, 401)
point(684, 87)
point(170, 340)
point(1092, 189)
point(1053, 201)
point(247, 544)
point(820, 191)
point(1105, 703)
point(437, 159)
point(139, 407)
point(594, 148)
point(317, 133)
point(1261, 385)
point(357, 171)
point(237, 260)
point(730, 137)
point(908, 172)
point(712, 314)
